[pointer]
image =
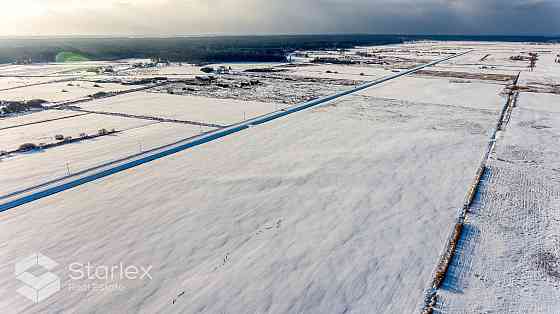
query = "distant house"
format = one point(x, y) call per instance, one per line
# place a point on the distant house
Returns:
point(205, 78)
point(23, 61)
point(297, 56)
point(222, 70)
point(333, 60)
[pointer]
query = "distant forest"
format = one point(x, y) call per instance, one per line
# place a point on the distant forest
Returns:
point(209, 49)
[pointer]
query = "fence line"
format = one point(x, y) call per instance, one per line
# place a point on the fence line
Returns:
point(450, 248)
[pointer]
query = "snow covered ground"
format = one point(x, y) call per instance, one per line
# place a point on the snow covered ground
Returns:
point(341, 208)
point(185, 70)
point(441, 91)
point(57, 92)
point(509, 257)
point(541, 101)
point(33, 117)
point(546, 72)
point(346, 72)
point(51, 69)
point(15, 82)
point(45, 132)
point(242, 66)
point(192, 108)
point(29, 169)
point(174, 70)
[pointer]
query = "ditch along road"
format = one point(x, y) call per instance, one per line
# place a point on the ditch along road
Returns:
point(61, 184)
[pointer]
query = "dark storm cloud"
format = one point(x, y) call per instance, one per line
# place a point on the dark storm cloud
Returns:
point(422, 16)
point(173, 17)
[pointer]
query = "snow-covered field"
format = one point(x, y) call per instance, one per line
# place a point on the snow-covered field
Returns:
point(183, 70)
point(488, 57)
point(242, 66)
point(485, 61)
point(509, 257)
point(44, 69)
point(16, 82)
point(192, 108)
point(547, 71)
point(346, 72)
point(29, 169)
point(45, 132)
point(57, 92)
point(441, 91)
point(340, 208)
point(541, 101)
point(34, 117)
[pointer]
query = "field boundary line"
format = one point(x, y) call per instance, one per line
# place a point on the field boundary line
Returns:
point(449, 251)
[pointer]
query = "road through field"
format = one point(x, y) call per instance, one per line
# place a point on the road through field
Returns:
point(12, 200)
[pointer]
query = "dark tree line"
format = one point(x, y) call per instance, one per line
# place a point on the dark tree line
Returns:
point(208, 49)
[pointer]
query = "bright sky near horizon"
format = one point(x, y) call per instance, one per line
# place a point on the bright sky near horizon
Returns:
point(189, 17)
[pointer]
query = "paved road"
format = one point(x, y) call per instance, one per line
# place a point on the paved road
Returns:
point(49, 188)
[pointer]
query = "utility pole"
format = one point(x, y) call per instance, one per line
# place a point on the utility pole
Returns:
point(533, 58)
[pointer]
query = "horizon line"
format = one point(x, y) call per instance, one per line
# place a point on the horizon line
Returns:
point(163, 36)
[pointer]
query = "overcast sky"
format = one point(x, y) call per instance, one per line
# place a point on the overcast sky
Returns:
point(190, 17)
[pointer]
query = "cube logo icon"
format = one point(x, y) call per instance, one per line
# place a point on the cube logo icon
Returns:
point(37, 288)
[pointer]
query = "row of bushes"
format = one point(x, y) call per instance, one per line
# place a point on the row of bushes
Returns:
point(27, 147)
point(9, 107)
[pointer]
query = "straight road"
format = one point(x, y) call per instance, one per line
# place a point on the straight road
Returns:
point(64, 183)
